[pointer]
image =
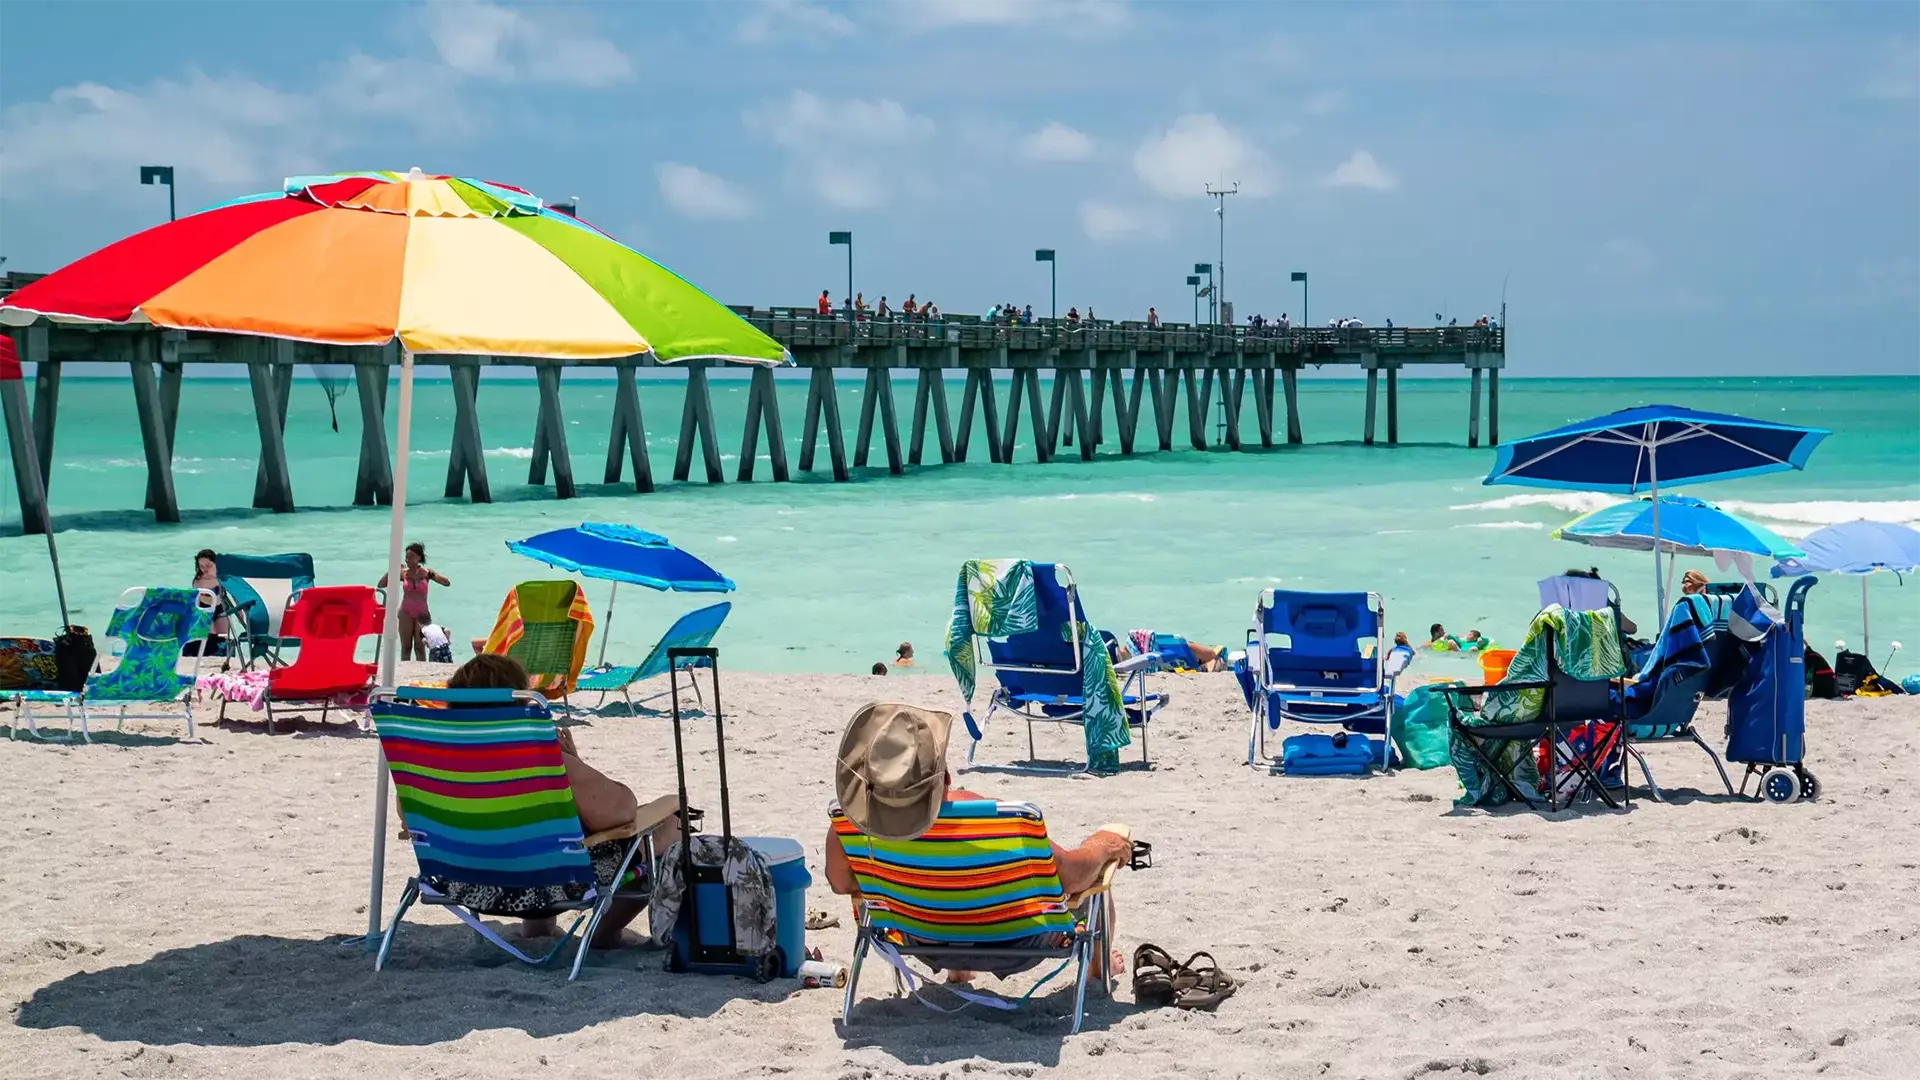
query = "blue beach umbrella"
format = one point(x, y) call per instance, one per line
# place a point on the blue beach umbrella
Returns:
point(1687, 527)
point(1859, 548)
point(621, 553)
point(1633, 450)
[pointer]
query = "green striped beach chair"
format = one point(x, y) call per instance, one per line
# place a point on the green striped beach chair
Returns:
point(483, 791)
point(979, 891)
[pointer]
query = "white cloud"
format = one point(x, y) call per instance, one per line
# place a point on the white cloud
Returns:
point(1362, 170)
point(844, 150)
point(1113, 221)
point(1198, 150)
point(1057, 142)
point(806, 120)
point(783, 21)
point(226, 133)
point(1094, 15)
point(700, 194)
point(489, 41)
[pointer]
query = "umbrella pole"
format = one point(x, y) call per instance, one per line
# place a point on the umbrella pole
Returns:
point(390, 641)
point(608, 628)
point(1866, 636)
point(1659, 583)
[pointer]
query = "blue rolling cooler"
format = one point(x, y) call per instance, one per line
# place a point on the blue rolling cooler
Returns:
point(1767, 709)
point(703, 939)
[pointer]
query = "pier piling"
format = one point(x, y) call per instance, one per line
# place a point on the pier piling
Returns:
point(373, 484)
point(146, 401)
point(1290, 380)
point(1493, 406)
point(34, 519)
point(1373, 382)
point(1393, 405)
point(272, 383)
point(629, 436)
point(550, 436)
point(467, 462)
point(823, 405)
point(1473, 410)
point(696, 424)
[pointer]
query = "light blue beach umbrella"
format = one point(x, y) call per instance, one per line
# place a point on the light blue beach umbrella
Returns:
point(1687, 527)
point(621, 553)
point(1859, 548)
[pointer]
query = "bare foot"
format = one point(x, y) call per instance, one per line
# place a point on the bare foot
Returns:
point(957, 978)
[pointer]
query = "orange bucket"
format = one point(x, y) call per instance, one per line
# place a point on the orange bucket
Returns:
point(1493, 664)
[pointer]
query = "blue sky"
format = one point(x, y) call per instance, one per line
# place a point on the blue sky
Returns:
point(1697, 190)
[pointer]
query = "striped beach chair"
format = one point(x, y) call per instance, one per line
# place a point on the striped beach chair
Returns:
point(483, 791)
point(546, 626)
point(978, 891)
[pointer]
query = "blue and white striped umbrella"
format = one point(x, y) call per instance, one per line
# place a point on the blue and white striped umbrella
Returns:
point(1687, 527)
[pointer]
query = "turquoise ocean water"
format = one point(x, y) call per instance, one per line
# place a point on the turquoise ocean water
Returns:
point(833, 576)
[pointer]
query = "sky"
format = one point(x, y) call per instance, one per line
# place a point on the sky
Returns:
point(1698, 189)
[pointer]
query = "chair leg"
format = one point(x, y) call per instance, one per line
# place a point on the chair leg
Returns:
point(853, 978)
point(1713, 757)
point(1478, 751)
point(1646, 772)
point(187, 707)
point(407, 898)
point(606, 902)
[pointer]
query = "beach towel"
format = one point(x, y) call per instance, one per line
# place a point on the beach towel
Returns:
point(546, 626)
point(1680, 654)
point(995, 598)
point(1587, 645)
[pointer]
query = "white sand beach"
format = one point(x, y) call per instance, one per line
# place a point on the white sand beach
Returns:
point(174, 908)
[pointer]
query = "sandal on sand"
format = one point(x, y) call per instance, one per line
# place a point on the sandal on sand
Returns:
point(1153, 975)
point(1201, 985)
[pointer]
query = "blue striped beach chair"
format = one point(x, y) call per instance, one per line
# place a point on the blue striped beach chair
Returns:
point(694, 630)
point(978, 891)
point(153, 624)
point(483, 791)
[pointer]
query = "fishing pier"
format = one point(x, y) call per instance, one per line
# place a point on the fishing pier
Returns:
point(1084, 390)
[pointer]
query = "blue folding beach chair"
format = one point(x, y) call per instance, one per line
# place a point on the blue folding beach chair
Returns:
point(1308, 662)
point(1694, 659)
point(694, 630)
point(1039, 670)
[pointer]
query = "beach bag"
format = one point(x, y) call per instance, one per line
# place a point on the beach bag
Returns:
point(1595, 744)
point(1420, 729)
point(73, 656)
point(1820, 679)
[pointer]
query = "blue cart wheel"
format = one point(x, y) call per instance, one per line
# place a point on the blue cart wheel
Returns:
point(1780, 786)
point(1809, 786)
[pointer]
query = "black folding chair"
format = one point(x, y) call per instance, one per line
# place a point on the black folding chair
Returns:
point(1570, 702)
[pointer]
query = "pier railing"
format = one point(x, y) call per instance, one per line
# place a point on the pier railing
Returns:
point(1103, 380)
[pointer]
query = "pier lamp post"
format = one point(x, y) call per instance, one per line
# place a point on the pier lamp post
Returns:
point(1045, 255)
point(847, 239)
point(1207, 269)
point(160, 174)
point(1194, 281)
point(1301, 277)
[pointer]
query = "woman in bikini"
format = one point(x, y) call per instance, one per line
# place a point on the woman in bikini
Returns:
point(414, 579)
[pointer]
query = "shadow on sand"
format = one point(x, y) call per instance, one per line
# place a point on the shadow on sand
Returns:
point(440, 984)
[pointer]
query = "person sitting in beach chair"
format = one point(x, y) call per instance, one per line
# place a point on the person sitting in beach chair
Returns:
point(595, 842)
point(953, 878)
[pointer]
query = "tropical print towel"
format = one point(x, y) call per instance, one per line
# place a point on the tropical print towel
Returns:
point(1587, 644)
point(546, 626)
point(995, 598)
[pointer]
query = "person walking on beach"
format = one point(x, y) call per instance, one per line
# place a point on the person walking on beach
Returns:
point(414, 614)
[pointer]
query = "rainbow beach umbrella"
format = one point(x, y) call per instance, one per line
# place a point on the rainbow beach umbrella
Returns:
point(442, 264)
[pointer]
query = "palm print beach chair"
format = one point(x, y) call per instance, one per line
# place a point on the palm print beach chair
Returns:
point(483, 792)
point(154, 625)
point(979, 891)
point(693, 630)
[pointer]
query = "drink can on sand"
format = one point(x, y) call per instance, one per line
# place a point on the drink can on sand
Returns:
point(819, 974)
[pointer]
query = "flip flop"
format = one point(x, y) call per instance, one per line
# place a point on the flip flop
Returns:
point(1201, 985)
point(1153, 977)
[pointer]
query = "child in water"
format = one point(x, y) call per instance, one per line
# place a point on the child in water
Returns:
point(1441, 641)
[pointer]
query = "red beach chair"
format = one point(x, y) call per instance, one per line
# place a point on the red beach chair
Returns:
point(329, 621)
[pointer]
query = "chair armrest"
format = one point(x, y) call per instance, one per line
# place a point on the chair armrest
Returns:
point(1131, 664)
point(646, 819)
point(1125, 832)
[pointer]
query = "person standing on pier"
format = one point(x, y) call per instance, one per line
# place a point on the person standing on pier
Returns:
point(825, 306)
point(414, 614)
point(881, 312)
point(1153, 319)
point(909, 309)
